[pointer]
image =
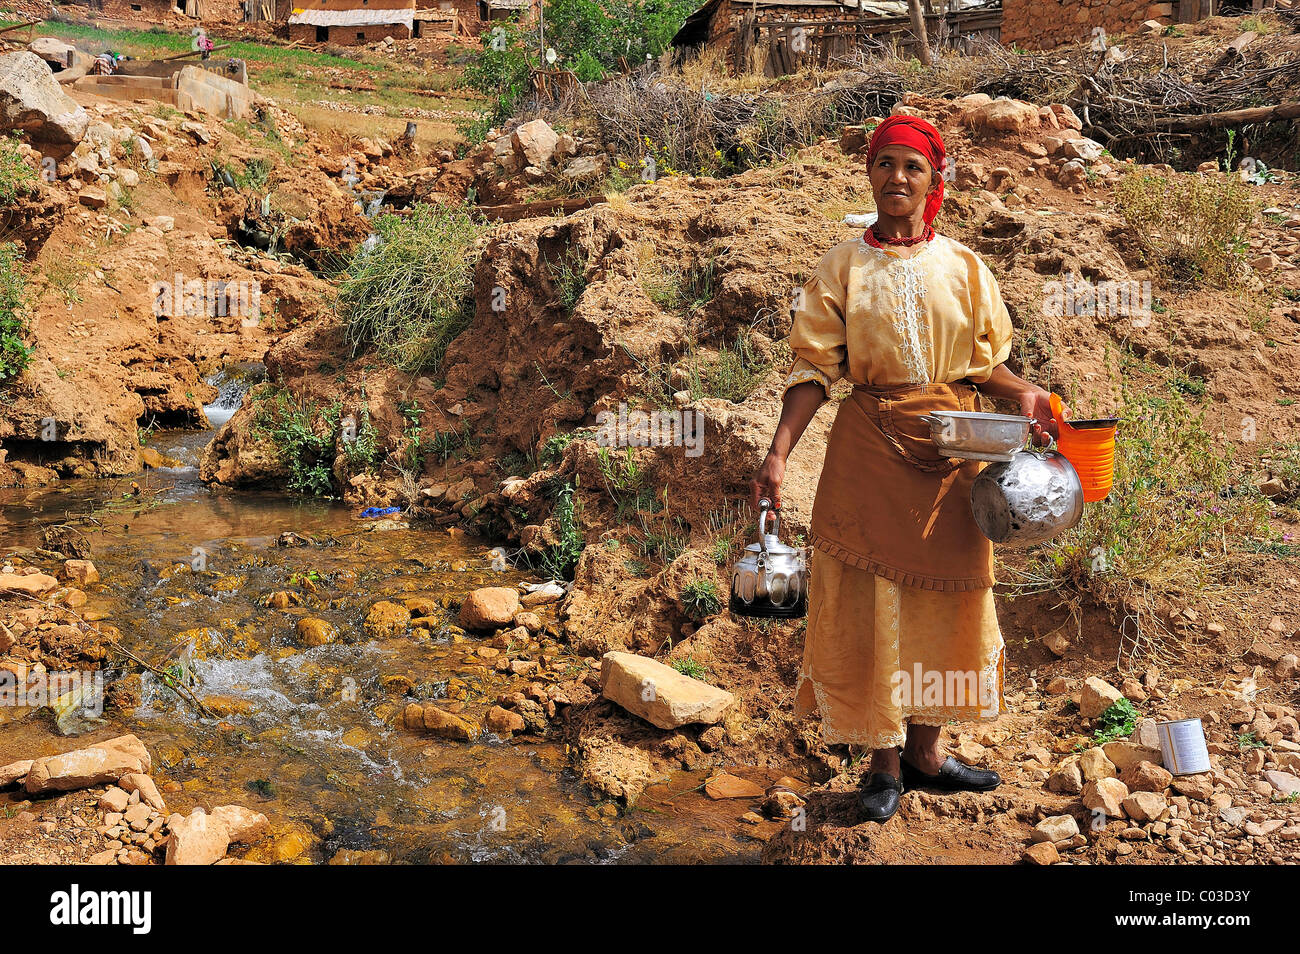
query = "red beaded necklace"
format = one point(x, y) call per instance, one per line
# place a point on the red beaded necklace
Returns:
point(874, 238)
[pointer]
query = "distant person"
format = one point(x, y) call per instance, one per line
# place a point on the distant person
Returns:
point(105, 64)
point(206, 45)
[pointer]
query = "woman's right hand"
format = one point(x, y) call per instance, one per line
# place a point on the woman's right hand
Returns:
point(767, 483)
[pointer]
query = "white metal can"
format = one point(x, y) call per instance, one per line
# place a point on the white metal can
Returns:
point(1182, 746)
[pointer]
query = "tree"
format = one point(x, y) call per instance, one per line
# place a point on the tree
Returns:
point(918, 28)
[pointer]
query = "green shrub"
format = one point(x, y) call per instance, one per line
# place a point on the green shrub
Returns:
point(1172, 507)
point(561, 559)
point(411, 295)
point(700, 599)
point(1191, 227)
point(293, 427)
point(16, 176)
point(14, 352)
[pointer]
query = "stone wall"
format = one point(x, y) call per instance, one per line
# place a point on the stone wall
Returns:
point(1043, 24)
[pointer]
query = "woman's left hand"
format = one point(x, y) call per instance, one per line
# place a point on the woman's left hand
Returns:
point(1037, 403)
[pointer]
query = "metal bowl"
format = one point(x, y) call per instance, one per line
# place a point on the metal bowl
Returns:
point(977, 436)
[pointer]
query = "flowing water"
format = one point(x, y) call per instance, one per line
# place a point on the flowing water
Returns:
point(308, 735)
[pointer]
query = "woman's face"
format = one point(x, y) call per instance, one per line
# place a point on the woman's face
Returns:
point(901, 178)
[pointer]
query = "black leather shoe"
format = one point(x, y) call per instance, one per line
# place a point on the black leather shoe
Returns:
point(878, 796)
point(953, 777)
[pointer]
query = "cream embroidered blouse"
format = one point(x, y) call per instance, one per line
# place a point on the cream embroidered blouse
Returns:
point(874, 317)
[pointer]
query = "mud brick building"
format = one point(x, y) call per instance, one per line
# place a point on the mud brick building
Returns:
point(1043, 24)
point(349, 22)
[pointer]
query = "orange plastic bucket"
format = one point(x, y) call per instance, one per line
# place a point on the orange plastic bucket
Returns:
point(1090, 450)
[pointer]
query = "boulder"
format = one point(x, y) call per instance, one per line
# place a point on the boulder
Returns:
point(33, 102)
point(200, 839)
point(1284, 783)
point(503, 722)
point(535, 142)
point(1055, 828)
point(52, 50)
point(1145, 806)
point(80, 572)
point(660, 694)
point(584, 168)
point(1067, 779)
point(1199, 787)
point(489, 607)
point(1106, 795)
point(149, 794)
point(114, 800)
point(1098, 696)
point(1042, 853)
point(1146, 777)
point(1003, 115)
point(386, 620)
point(1094, 765)
point(94, 765)
point(1088, 150)
point(243, 825)
point(315, 632)
point(30, 584)
point(449, 726)
point(14, 772)
point(725, 785)
point(1127, 754)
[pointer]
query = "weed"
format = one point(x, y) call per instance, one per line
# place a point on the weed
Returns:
point(700, 599)
point(690, 667)
point(1117, 722)
point(1191, 227)
point(16, 176)
point(561, 559)
point(14, 351)
point(409, 297)
point(292, 427)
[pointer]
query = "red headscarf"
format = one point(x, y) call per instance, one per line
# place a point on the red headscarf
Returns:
point(920, 135)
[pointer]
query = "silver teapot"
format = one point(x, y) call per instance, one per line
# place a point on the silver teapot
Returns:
point(771, 580)
point(1028, 499)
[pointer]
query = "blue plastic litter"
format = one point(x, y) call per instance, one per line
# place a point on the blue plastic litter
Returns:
point(371, 512)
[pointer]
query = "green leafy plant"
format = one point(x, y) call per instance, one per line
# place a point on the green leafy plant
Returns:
point(561, 559)
point(16, 176)
point(14, 351)
point(1190, 227)
point(1117, 722)
point(294, 427)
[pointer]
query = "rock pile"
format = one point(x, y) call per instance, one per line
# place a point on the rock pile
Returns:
point(135, 823)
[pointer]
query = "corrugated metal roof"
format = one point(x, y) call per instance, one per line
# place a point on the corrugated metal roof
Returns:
point(509, 4)
point(435, 15)
point(347, 18)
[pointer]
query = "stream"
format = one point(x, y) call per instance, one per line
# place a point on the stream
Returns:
point(309, 736)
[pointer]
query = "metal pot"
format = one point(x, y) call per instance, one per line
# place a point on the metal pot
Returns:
point(1028, 499)
point(771, 580)
point(975, 435)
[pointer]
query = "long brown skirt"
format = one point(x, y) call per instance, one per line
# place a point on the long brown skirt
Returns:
point(901, 619)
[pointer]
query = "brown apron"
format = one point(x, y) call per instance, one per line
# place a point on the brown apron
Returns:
point(888, 502)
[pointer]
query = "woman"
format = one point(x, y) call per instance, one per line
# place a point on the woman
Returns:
point(902, 632)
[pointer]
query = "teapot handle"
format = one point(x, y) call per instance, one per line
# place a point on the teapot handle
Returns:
point(764, 508)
